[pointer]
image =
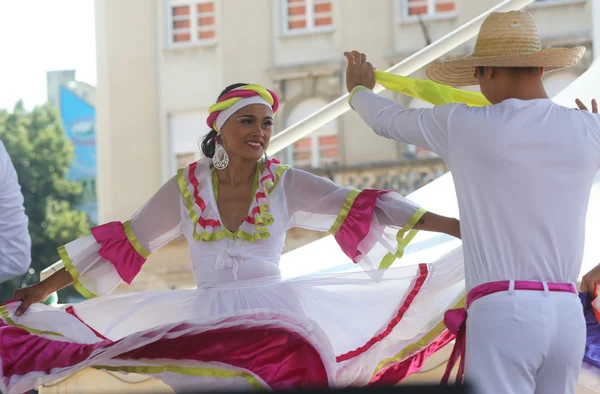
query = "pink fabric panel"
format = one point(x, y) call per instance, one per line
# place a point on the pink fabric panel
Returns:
point(398, 372)
point(358, 222)
point(22, 352)
point(116, 248)
point(283, 359)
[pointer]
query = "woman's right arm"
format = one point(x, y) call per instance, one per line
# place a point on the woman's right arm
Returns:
point(115, 252)
point(439, 224)
point(372, 227)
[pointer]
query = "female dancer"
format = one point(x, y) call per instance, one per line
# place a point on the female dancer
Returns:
point(242, 326)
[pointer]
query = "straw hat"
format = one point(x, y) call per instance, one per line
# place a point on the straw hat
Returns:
point(506, 39)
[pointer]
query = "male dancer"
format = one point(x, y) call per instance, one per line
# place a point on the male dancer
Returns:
point(523, 170)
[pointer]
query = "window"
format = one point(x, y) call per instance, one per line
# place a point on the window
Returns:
point(303, 152)
point(191, 22)
point(316, 151)
point(186, 131)
point(320, 148)
point(307, 15)
point(328, 153)
point(428, 8)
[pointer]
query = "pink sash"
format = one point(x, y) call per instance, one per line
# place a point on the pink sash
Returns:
point(455, 319)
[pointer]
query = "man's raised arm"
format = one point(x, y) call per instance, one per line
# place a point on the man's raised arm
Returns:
point(425, 128)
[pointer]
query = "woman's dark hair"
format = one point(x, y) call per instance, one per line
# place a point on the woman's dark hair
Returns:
point(210, 140)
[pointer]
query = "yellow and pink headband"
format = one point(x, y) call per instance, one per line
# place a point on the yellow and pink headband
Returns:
point(238, 98)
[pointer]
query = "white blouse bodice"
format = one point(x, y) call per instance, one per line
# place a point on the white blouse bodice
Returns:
point(227, 257)
point(371, 226)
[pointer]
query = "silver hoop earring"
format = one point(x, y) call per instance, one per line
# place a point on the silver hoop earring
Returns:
point(266, 158)
point(220, 158)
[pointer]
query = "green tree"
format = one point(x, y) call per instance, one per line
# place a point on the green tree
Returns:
point(42, 154)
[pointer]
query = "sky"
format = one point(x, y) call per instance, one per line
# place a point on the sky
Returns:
point(43, 35)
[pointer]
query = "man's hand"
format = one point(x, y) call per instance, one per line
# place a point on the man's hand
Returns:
point(582, 107)
point(359, 71)
point(590, 279)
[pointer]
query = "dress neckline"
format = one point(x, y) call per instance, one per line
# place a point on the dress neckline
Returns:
point(215, 193)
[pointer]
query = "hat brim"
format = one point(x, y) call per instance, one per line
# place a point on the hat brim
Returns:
point(461, 72)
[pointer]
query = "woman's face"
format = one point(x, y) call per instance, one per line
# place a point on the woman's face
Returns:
point(247, 132)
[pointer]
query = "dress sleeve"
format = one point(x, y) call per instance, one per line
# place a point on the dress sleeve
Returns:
point(423, 127)
point(372, 227)
point(116, 251)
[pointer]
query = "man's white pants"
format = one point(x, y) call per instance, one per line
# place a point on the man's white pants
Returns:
point(525, 342)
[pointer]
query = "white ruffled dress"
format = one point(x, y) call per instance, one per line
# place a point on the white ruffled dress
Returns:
point(243, 327)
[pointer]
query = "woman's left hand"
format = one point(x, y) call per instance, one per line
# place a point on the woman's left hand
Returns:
point(582, 106)
point(439, 224)
point(456, 229)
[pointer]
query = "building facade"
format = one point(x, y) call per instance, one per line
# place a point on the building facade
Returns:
point(162, 63)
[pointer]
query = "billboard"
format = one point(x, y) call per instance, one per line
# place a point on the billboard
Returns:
point(79, 122)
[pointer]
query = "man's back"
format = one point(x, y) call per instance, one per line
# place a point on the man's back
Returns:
point(525, 170)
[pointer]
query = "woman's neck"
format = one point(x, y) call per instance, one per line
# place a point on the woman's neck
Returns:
point(238, 171)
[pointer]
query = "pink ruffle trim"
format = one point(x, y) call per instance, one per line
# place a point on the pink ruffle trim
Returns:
point(357, 224)
point(116, 248)
point(261, 196)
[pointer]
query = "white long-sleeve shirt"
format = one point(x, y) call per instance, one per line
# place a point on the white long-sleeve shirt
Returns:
point(523, 172)
point(15, 242)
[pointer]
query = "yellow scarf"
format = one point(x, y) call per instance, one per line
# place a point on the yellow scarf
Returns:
point(429, 91)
